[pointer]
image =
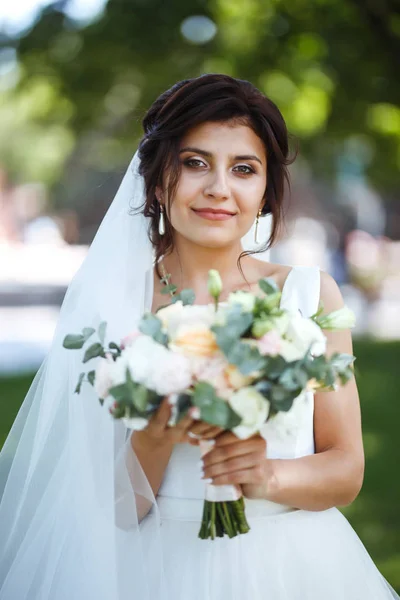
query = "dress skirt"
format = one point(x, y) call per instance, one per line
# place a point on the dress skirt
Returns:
point(289, 555)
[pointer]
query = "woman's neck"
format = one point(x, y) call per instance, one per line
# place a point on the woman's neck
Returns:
point(189, 264)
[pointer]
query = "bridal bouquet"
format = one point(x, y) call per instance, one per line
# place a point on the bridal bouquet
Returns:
point(235, 364)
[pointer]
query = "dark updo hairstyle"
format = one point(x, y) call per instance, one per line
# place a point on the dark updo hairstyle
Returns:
point(217, 98)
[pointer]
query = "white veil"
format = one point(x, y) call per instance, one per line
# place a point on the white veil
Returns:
point(70, 483)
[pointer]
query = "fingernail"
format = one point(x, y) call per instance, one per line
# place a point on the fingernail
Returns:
point(200, 464)
point(207, 480)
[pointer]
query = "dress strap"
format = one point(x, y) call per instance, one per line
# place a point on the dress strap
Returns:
point(301, 290)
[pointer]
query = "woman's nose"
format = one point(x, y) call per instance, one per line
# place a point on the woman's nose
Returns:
point(217, 185)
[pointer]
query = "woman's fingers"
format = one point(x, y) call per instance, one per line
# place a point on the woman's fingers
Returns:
point(233, 465)
point(159, 420)
point(252, 476)
point(224, 452)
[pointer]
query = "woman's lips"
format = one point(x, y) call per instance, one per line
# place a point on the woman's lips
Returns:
point(213, 216)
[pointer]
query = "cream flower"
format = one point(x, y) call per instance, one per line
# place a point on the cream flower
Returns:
point(304, 335)
point(195, 340)
point(245, 299)
point(154, 366)
point(252, 407)
point(344, 318)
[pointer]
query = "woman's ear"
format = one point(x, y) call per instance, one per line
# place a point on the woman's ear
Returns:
point(159, 195)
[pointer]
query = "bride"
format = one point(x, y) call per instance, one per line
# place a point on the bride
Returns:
point(90, 510)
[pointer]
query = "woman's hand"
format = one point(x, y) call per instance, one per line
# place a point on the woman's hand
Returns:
point(200, 430)
point(240, 462)
point(188, 429)
point(159, 433)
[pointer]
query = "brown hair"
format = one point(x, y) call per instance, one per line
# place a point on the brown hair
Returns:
point(210, 97)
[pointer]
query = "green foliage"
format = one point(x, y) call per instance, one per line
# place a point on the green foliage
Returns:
point(94, 351)
point(213, 409)
point(302, 56)
point(152, 326)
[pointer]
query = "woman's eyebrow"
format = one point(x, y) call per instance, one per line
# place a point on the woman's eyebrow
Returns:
point(209, 154)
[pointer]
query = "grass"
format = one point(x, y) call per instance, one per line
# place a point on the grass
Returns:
point(375, 515)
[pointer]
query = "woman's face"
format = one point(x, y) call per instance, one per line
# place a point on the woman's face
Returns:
point(221, 186)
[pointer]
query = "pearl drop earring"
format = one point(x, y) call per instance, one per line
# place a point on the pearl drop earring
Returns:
point(161, 222)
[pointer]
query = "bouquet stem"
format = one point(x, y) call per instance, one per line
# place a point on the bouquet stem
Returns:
point(223, 518)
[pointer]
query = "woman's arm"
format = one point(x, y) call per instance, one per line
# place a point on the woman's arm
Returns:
point(331, 477)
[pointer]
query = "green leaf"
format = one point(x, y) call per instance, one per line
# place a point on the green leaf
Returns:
point(114, 346)
point(101, 332)
point(73, 341)
point(221, 414)
point(122, 393)
point(264, 387)
point(87, 332)
point(139, 396)
point(247, 358)
point(152, 326)
point(93, 352)
point(187, 296)
point(281, 399)
point(275, 365)
point(268, 286)
point(79, 384)
point(169, 289)
point(342, 361)
point(203, 394)
point(91, 377)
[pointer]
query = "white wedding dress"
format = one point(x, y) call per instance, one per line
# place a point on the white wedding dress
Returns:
point(288, 554)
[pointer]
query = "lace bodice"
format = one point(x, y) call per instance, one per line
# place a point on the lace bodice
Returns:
point(291, 435)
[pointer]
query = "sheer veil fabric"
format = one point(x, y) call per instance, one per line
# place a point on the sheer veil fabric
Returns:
point(70, 486)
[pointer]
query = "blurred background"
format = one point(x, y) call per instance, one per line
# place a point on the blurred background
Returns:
point(76, 77)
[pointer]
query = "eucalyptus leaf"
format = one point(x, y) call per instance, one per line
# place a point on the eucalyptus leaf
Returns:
point(87, 332)
point(93, 352)
point(187, 296)
point(101, 332)
point(91, 377)
point(122, 393)
point(268, 286)
point(139, 396)
point(169, 289)
point(220, 413)
point(152, 326)
point(73, 341)
point(203, 394)
point(275, 365)
point(114, 346)
point(79, 384)
point(247, 358)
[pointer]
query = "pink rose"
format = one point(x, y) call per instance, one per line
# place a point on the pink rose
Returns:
point(270, 343)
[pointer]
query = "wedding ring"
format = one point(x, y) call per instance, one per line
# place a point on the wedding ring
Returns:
point(194, 435)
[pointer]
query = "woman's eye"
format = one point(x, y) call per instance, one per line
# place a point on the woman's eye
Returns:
point(245, 169)
point(194, 162)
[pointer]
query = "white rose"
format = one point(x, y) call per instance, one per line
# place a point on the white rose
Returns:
point(245, 299)
point(305, 335)
point(187, 316)
point(103, 380)
point(154, 366)
point(290, 351)
point(169, 313)
point(252, 407)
